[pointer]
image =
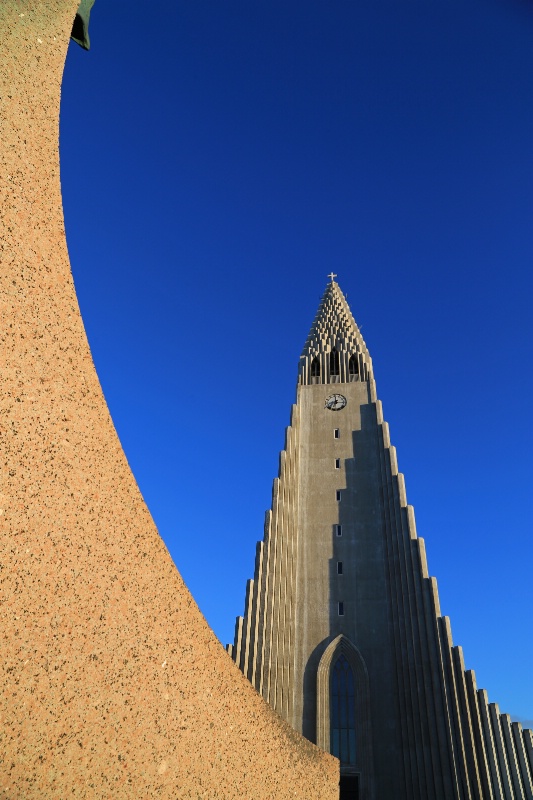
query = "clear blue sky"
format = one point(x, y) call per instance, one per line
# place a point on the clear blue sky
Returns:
point(218, 159)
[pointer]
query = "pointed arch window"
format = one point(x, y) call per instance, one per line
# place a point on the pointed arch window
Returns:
point(315, 367)
point(342, 711)
point(343, 724)
point(334, 362)
point(353, 365)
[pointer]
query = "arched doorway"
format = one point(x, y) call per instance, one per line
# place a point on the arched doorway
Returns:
point(343, 716)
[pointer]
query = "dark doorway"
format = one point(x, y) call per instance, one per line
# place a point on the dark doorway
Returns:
point(349, 787)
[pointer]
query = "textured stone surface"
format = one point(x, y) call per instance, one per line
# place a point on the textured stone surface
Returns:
point(112, 684)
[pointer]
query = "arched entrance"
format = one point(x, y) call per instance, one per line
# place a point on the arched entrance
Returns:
point(343, 715)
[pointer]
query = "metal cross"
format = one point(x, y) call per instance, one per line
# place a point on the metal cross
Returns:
point(332, 275)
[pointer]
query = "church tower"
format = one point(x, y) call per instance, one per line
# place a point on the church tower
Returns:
point(342, 632)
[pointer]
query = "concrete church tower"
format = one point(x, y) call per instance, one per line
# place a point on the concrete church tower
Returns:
point(342, 632)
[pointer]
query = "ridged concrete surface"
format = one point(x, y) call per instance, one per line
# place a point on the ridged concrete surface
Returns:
point(111, 682)
point(423, 729)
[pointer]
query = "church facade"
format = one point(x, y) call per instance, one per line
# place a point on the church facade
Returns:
point(342, 632)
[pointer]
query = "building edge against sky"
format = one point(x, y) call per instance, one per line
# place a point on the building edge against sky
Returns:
point(342, 631)
point(111, 682)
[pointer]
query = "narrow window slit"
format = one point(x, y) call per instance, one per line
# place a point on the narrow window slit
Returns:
point(334, 362)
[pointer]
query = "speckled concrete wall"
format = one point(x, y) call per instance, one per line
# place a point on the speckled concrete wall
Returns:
point(112, 684)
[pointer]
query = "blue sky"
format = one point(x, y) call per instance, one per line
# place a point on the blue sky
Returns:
point(218, 159)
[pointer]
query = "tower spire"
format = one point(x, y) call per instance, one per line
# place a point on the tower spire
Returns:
point(334, 331)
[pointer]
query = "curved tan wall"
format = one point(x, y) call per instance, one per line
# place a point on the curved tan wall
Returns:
point(112, 683)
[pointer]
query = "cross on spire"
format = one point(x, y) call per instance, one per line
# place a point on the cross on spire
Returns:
point(332, 275)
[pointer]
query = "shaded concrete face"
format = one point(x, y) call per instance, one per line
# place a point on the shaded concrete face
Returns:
point(111, 682)
point(340, 486)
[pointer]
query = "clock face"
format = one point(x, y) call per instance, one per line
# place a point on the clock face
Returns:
point(335, 402)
